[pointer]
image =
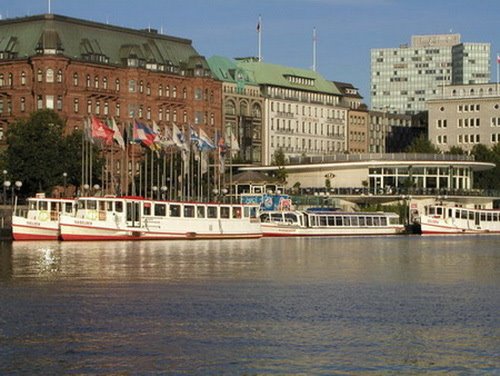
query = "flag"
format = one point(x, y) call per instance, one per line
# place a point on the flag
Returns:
point(100, 131)
point(258, 26)
point(206, 142)
point(117, 135)
point(178, 137)
point(166, 139)
point(87, 130)
point(222, 148)
point(235, 146)
point(145, 135)
point(498, 59)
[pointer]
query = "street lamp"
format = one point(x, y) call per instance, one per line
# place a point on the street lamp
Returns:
point(154, 189)
point(6, 186)
point(164, 190)
point(86, 188)
point(96, 188)
point(18, 184)
point(65, 175)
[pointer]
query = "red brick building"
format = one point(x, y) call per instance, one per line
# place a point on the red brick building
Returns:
point(81, 68)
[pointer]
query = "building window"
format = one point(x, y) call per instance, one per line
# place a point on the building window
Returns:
point(167, 91)
point(167, 115)
point(59, 104)
point(49, 75)
point(160, 90)
point(212, 119)
point(1, 79)
point(141, 87)
point(174, 116)
point(39, 75)
point(76, 105)
point(59, 76)
point(174, 92)
point(88, 80)
point(148, 89)
point(117, 110)
point(49, 102)
point(198, 94)
point(106, 108)
point(160, 114)
point(89, 107)
point(98, 107)
point(105, 83)
point(23, 78)
point(75, 79)
point(184, 93)
point(148, 113)
point(131, 86)
point(96, 82)
point(23, 104)
point(117, 85)
point(11, 78)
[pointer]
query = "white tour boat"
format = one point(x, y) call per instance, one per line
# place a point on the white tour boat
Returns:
point(40, 221)
point(136, 218)
point(329, 223)
point(441, 219)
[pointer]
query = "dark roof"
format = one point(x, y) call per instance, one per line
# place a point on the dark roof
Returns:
point(347, 89)
point(80, 39)
point(252, 177)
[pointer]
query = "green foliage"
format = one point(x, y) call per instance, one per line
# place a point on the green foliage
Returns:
point(456, 150)
point(487, 179)
point(279, 160)
point(422, 144)
point(38, 153)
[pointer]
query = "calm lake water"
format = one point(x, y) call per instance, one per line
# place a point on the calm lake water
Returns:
point(350, 306)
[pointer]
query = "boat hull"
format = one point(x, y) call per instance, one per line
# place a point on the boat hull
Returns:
point(25, 229)
point(439, 226)
point(270, 231)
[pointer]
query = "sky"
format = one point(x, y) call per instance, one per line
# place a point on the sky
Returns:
point(346, 29)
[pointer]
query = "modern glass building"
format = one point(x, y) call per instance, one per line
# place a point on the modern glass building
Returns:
point(404, 78)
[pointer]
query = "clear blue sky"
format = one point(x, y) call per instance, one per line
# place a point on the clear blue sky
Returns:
point(346, 29)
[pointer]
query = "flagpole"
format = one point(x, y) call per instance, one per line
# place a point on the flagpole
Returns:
point(314, 49)
point(259, 31)
point(498, 62)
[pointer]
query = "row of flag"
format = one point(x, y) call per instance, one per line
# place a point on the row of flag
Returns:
point(152, 137)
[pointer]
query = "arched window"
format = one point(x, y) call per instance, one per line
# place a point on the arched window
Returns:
point(117, 85)
point(96, 82)
point(167, 91)
point(148, 89)
point(11, 79)
point(185, 117)
point(105, 83)
point(49, 75)
point(174, 92)
point(59, 76)
point(75, 79)
point(117, 110)
point(141, 87)
point(1, 79)
point(39, 75)
point(23, 78)
point(88, 80)
point(184, 93)
point(160, 90)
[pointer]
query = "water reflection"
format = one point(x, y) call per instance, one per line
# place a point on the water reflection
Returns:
point(391, 259)
point(395, 305)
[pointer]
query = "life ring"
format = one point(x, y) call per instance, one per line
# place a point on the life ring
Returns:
point(43, 216)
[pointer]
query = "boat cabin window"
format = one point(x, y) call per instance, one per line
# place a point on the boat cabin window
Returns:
point(322, 221)
point(211, 211)
point(394, 220)
point(188, 211)
point(119, 206)
point(347, 221)
point(432, 210)
point(276, 217)
point(291, 218)
point(383, 221)
point(369, 221)
point(338, 221)
point(463, 214)
point(488, 217)
point(457, 213)
point(174, 210)
point(439, 211)
point(331, 221)
point(160, 210)
point(362, 221)
point(146, 210)
point(483, 216)
point(224, 212)
point(200, 211)
point(32, 205)
point(376, 221)
point(68, 207)
point(495, 217)
point(236, 212)
point(264, 217)
point(471, 215)
point(54, 206)
point(90, 204)
point(102, 205)
point(109, 206)
point(253, 212)
point(354, 221)
point(450, 213)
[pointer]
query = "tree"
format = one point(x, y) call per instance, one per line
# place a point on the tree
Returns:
point(38, 153)
point(279, 160)
point(456, 150)
point(487, 179)
point(422, 144)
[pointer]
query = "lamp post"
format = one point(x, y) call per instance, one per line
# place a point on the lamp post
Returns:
point(4, 179)
point(6, 186)
point(96, 188)
point(86, 188)
point(154, 192)
point(17, 185)
point(65, 175)
point(163, 190)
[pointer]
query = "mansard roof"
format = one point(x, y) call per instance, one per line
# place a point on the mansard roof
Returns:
point(101, 43)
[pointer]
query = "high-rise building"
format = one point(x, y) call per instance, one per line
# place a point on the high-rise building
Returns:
point(404, 78)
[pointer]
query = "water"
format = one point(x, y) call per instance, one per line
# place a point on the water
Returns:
point(350, 306)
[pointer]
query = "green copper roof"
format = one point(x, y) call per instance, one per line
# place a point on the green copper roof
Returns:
point(287, 77)
point(225, 69)
point(79, 39)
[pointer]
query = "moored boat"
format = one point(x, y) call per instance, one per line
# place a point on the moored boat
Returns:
point(329, 223)
point(136, 218)
point(442, 219)
point(40, 221)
